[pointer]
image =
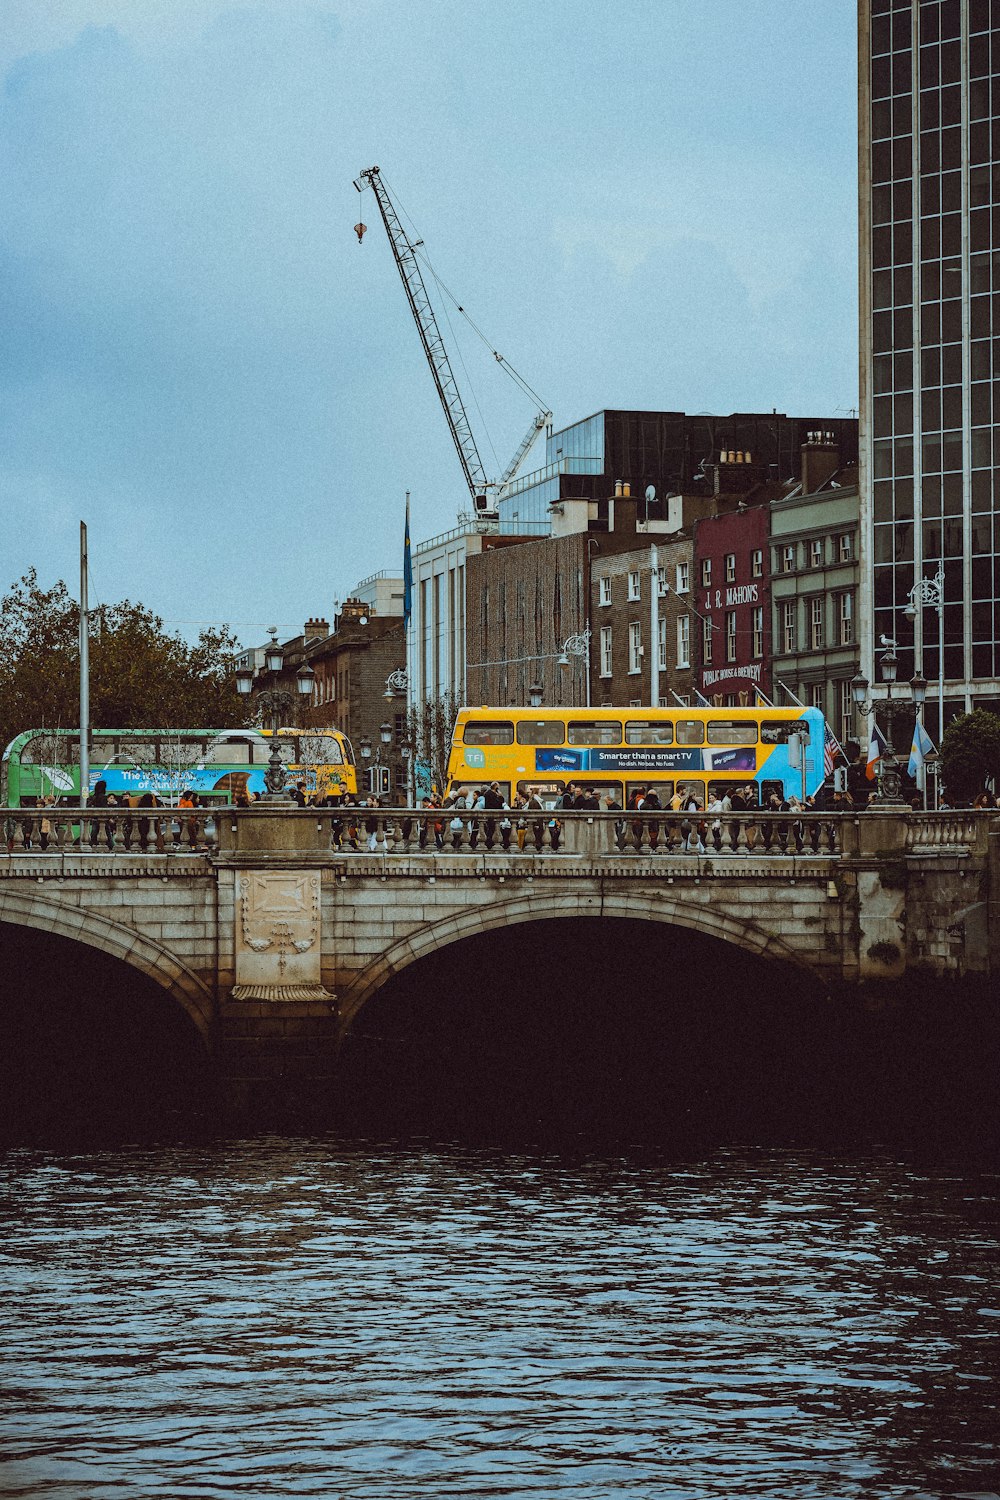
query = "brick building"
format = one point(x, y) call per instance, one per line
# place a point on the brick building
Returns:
point(626, 620)
point(733, 604)
point(352, 665)
point(531, 606)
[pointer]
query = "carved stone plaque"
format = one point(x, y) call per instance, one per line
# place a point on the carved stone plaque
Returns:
point(278, 947)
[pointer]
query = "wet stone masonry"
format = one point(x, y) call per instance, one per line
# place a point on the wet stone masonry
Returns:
point(274, 928)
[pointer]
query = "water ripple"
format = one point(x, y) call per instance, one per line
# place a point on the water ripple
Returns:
point(306, 1317)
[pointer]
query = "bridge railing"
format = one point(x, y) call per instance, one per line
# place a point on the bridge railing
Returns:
point(136, 830)
point(446, 832)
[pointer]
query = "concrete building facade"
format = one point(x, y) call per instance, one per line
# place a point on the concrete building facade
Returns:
point(929, 183)
point(814, 599)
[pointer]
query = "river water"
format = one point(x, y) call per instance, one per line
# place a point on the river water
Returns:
point(320, 1315)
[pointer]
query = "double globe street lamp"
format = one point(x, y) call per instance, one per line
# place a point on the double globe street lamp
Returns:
point(378, 775)
point(890, 775)
point(279, 704)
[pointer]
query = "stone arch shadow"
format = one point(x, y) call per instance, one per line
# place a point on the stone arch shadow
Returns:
point(536, 908)
point(119, 941)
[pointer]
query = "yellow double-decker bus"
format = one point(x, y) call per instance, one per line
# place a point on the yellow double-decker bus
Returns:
point(694, 752)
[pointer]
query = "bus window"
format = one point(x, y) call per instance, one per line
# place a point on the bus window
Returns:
point(691, 790)
point(549, 792)
point(600, 789)
point(463, 788)
point(649, 732)
point(769, 789)
point(663, 789)
point(488, 732)
point(690, 732)
point(320, 750)
point(778, 731)
point(732, 732)
point(541, 732)
point(593, 732)
point(742, 794)
point(229, 753)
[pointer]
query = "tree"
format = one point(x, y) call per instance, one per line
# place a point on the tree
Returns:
point(429, 729)
point(141, 677)
point(970, 754)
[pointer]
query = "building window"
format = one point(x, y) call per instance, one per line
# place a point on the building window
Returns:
point(604, 585)
point(730, 567)
point(788, 631)
point(731, 635)
point(816, 623)
point(635, 646)
point(758, 631)
point(845, 619)
point(788, 559)
point(845, 547)
point(758, 564)
point(606, 651)
point(683, 579)
point(661, 644)
point(816, 552)
point(661, 581)
point(846, 710)
point(706, 572)
point(683, 641)
point(635, 585)
point(816, 695)
point(706, 641)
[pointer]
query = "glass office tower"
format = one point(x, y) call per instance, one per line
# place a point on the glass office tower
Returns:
point(930, 339)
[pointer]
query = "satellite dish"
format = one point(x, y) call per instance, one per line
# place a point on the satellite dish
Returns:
point(363, 620)
point(650, 492)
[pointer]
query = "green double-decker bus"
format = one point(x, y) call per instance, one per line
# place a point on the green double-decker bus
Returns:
point(218, 765)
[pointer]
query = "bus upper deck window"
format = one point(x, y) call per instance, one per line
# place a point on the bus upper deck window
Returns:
point(649, 732)
point(690, 732)
point(489, 732)
point(541, 732)
point(732, 732)
point(593, 732)
point(777, 731)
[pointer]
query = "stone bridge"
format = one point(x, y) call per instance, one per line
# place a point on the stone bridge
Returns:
point(272, 927)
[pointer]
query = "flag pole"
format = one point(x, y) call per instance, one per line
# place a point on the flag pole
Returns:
point(411, 760)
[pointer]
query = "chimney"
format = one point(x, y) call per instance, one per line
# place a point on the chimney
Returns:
point(316, 630)
point(820, 460)
point(622, 510)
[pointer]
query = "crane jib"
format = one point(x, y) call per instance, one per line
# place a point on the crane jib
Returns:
point(436, 354)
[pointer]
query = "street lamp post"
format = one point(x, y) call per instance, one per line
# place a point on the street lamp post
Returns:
point(930, 591)
point(890, 776)
point(579, 646)
point(276, 703)
point(397, 685)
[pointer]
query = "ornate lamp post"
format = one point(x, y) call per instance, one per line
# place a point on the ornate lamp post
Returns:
point(930, 591)
point(579, 646)
point(277, 703)
point(890, 776)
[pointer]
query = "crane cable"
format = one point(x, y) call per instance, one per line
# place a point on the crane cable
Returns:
point(416, 246)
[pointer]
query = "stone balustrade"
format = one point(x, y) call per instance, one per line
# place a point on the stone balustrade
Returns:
point(344, 832)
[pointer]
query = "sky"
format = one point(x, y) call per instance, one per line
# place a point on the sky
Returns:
point(648, 204)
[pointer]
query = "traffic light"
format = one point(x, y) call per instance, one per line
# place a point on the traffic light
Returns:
point(379, 780)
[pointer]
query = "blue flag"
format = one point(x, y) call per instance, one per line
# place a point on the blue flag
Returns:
point(920, 749)
point(407, 569)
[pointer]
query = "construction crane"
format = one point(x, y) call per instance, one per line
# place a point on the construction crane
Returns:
point(484, 492)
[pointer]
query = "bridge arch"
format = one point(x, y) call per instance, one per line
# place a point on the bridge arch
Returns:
point(114, 938)
point(539, 906)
